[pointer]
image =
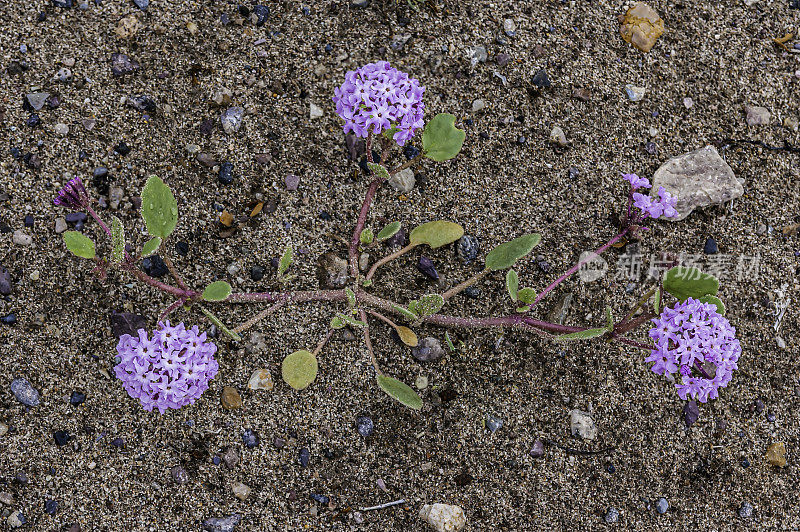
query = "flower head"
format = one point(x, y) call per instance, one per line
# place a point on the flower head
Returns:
point(378, 98)
point(694, 340)
point(636, 181)
point(73, 195)
point(170, 370)
point(649, 206)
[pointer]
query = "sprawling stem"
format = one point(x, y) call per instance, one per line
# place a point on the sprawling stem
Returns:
point(407, 164)
point(383, 318)
point(260, 316)
point(642, 301)
point(362, 219)
point(388, 258)
point(368, 341)
point(167, 311)
point(174, 272)
point(577, 267)
point(174, 290)
point(322, 342)
point(634, 343)
point(466, 284)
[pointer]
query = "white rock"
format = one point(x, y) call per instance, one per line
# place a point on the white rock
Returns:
point(582, 424)
point(61, 225)
point(61, 129)
point(240, 491)
point(780, 342)
point(443, 517)
point(757, 116)
point(635, 94)
point(13, 520)
point(315, 111)
point(478, 105)
point(403, 181)
point(558, 137)
point(21, 239)
point(261, 379)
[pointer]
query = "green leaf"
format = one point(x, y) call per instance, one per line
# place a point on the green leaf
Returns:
point(299, 369)
point(406, 313)
point(351, 296)
point(159, 208)
point(512, 284)
point(286, 261)
point(366, 283)
point(389, 133)
point(408, 336)
point(337, 323)
point(583, 335)
point(388, 232)
point(683, 283)
point(400, 392)
point(378, 170)
point(442, 140)
point(117, 240)
point(436, 234)
point(427, 305)
point(347, 320)
point(79, 244)
point(366, 236)
point(527, 295)
point(449, 341)
point(609, 319)
point(717, 301)
point(657, 302)
point(217, 291)
point(221, 326)
point(505, 255)
point(151, 246)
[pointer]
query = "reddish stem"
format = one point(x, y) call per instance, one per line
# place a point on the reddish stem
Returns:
point(362, 219)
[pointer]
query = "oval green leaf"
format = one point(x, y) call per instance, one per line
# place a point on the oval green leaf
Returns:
point(527, 295)
point(436, 234)
point(151, 246)
point(512, 284)
point(588, 334)
point(366, 236)
point(117, 240)
point(217, 291)
point(388, 232)
point(657, 302)
point(405, 312)
point(441, 139)
point(378, 170)
point(286, 261)
point(685, 282)
point(400, 392)
point(505, 255)
point(159, 208)
point(408, 336)
point(299, 369)
point(716, 301)
point(79, 244)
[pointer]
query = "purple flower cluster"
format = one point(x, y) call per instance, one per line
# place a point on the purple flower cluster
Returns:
point(170, 370)
point(73, 195)
point(379, 98)
point(650, 207)
point(693, 339)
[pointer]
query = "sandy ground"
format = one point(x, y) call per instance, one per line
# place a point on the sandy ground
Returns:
point(719, 54)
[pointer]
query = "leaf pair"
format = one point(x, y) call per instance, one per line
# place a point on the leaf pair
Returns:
point(525, 295)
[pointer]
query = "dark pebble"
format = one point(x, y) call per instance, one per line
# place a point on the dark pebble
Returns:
point(467, 248)
point(127, 323)
point(75, 217)
point(410, 151)
point(365, 426)
point(257, 273)
point(118, 442)
point(62, 437)
point(216, 460)
point(122, 148)
point(711, 247)
point(9, 319)
point(330, 454)
point(141, 4)
point(771, 417)
point(142, 102)
point(426, 266)
point(612, 515)
point(250, 438)
point(472, 292)
point(64, 4)
point(398, 240)
point(100, 172)
point(427, 350)
point(502, 59)
point(521, 139)
point(325, 216)
point(181, 248)
point(51, 506)
point(33, 120)
point(303, 457)
point(690, 413)
point(745, 463)
point(611, 468)
point(225, 175)
point(540, 79)
point(261, 12)
point(77, 398)
point(279, 443)
point(121, 65)
point(537, 451)
point(28, 221)
point(5, 281)
point(651, 148)
point(573, 173)
point(322, 499)
point(154, 266)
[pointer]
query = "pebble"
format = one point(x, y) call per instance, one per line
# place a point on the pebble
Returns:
point(691, 412)
point(231, 400)
point(315, 111)
point(421, 382)
point(662, 505)
point(61, 437)
point(292, 182)
point(710, 247)
point(122, 148)
point(478, 54)
point(641, 26)
point(9, 319)
point(427, 350)
point(780, 342)
point(582, 94)
point(77, 398)
point(612, 516)
point(63, 75)
point(757, 116)
point(141, 4)
point(322, 499)
point(558, 137)
point(467, 248)
point(51, 507)
point(403, 181)
point(22, 239)
point(250, 439)
point(179, 475)
point(365, 426)
point(16, 519)
point(745, 510)
point(541, 79)
point(154, 266)
point(635, 94)
point(127, 27)
point(332, 271)
point(502, 59)
point(33, 120)
point(231, 119)
point(5, 281)
point(688, 103)
point(225, 175)
point(122, 65)
point(261, 379)
point(257, 273)
point(6, 498)
point(61, 129)
point(537, 451)
point(303, 457)
point(240, 490)
point(36, 99)
point(776, 454)
point(582, 424)
point(478, 105)
point(443, 517)
point(142, 102)
point(221, 524)
point(698, 179)
point(427, 268)
point(25, 392)
point(492, 423)
point(261, 13)
point(230, 457)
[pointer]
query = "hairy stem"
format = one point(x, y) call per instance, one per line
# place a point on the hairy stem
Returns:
point(362, 219)
point(634, 343)
point(388, 258)
point(642, 301)
point(466, 284)
point(258, 317)
point(322, 342)
point(174, 272)
point(171, 308)
point(98, 220)
point(177, 292)
point(407, 164)
point(368, 341)
point(383, 318)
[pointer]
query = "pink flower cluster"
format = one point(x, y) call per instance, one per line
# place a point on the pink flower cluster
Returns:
point(694, 340)
point(171, 370)
point(379, 98)
point(73, 195)
point(649, 206)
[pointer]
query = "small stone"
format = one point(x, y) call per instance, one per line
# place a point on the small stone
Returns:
point(363, 262)
point(691, 412)
point(142, 102)
point(641, 26)
point(250, 439)
point(467, 248)
point(61, 129)
point(179, 475)
point(122, 65)
point(698, 179)
point(292, 182)
point(780, 342)
point(240, 491)
point(63, 75)
point(365, 426)
point(502, 59)
point(776, 454)
point(662, 505)
point(315, 111)
point(745, 510)
point(221, 524)
point(321, 499)
point(154, 266)
point(22, 239)
point(24, 392)
point(421, 382)
point(261, 13)
point(303, 457)
point(757, 116)
point(612, 515)
point(403, 181)
point(509, 27)
point(60, 225)
point(558, 137)
point(492, 423)
point(128, 26)
point(477, 54)
point(710, 247)
point(427, 268)
point(791, 123)
point(231, 400)
point(36, 99)
point(61, 437)
point(635, 94)
point(443, 517)
point(478, 105)
point(261, 379)
point(427, 350)
point(141, 4)
point(51, 507)
point(5, 281)
point(583, 95)
point(127, 323)
point(540, 79)
point(206, 160)
point(6, 498)
point(537, 451)
point(332, 271)
point(77, 398)
point(16, 519)
point(231, 119)
point(688, 103)
point(582, 424)
point(225, 175)
point(230, 457)
point(122, 148)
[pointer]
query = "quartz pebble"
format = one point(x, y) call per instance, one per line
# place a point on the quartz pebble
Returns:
point(261, 379)
point(20, 238)
point(558, 137)
point(315, 111)
point(240, 490)
point(757, 116)
point(221, 524)
point(635, 93)
point(582, 424)
point(231, 119)
point(403, 181)
point(24, 392)
point(428, 350)
point(443, 517)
